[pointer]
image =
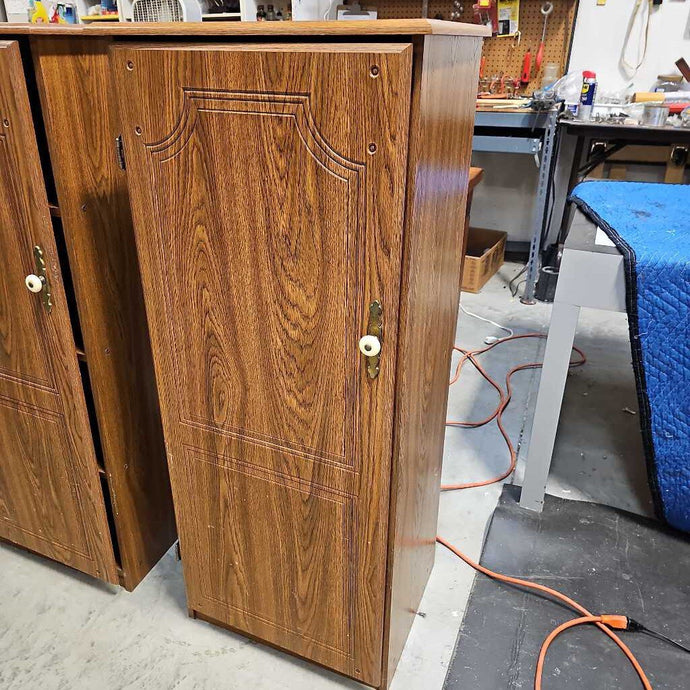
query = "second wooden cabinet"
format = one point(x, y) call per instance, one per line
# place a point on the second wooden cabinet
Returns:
point(83, 472)
point(289, 199)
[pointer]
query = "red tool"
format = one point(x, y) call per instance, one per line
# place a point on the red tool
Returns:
point(677, 108)
point(486, 13)
point(526, 68)
point(546, 10)
point(482, 65)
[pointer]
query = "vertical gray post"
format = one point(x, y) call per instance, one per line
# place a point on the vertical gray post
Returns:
point(540, 207)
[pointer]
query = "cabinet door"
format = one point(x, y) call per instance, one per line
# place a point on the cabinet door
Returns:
point(50, 494)
point(267, 185)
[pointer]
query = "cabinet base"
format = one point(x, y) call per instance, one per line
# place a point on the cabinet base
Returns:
point(213, 621)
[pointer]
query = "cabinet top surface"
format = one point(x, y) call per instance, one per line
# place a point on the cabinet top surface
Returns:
point(376, 27)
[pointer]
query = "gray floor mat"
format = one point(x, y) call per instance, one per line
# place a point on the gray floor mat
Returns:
point(609, 561)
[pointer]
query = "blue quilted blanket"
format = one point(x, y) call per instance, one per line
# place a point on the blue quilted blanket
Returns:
point(650, 225)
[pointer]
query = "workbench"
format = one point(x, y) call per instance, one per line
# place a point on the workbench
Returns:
point(596, 142)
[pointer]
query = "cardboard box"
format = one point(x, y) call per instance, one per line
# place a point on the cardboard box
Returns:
point(484, 256)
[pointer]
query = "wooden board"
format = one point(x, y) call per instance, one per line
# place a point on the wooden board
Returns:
point(393, 27)
point(50, 494)
point(441, 127)
point(266, 223)
point(80, 113)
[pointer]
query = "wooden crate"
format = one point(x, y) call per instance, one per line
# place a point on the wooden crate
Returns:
point(484, 256)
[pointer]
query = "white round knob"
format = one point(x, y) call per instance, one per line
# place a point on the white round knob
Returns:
point(33, 283)
point(369, 345)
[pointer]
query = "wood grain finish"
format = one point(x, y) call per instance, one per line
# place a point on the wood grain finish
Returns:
point(445, 78)
point(476, 176)
point(266, 221)
point(379, 27)
point(80, 114)
point(50, 496)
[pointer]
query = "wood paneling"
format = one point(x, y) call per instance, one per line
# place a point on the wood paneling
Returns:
point(380, 27)
point(50, 496)
point(267, 186)
point(445, 76)
point(80, 115)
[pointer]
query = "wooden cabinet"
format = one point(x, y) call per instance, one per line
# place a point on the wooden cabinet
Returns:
point(294, 187)
point(279, 443)
point(83, 474)
point(285, 194)
point(50, 498)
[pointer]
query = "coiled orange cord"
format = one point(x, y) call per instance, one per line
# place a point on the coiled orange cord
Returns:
point(504, 401)
point(604, 622)
point(617, 622)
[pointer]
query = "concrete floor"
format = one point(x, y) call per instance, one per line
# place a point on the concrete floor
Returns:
point(62, 630)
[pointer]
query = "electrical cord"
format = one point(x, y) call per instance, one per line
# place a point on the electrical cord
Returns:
point(606, 623)
point(504, 400)
point(616, 622)
point(490, 340)
point(634, 626)
point(513, 279)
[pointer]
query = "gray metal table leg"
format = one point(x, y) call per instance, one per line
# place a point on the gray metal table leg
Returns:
point(549, 399)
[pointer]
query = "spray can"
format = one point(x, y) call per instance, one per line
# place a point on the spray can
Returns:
point(589, 89)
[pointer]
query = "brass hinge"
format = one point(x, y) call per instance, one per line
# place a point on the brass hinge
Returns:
point(120, 152)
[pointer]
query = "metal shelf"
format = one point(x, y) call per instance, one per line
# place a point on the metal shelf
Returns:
point(530, 133)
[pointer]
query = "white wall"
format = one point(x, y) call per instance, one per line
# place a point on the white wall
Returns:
point(503, 200)
point(599, 35)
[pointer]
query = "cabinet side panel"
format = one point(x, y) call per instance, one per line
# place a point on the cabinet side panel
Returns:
point(442, 118)
point(80, 113)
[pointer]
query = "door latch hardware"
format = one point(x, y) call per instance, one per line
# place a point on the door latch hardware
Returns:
point(679, 155)
point(38, 282)
point(370, 344)
point(120, 152)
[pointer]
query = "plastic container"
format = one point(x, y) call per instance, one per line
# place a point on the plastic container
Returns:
point(655, 115)
point(667, 83)
point(550, 75)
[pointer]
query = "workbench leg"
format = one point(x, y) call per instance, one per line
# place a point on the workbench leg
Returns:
point(573, 180)
point(549, 399)
point(540, 209)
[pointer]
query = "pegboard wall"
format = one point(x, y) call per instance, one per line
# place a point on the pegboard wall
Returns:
point(504, 57)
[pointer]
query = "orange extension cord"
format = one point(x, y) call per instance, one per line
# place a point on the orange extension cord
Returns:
point(505, 397)
point(604, 622)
